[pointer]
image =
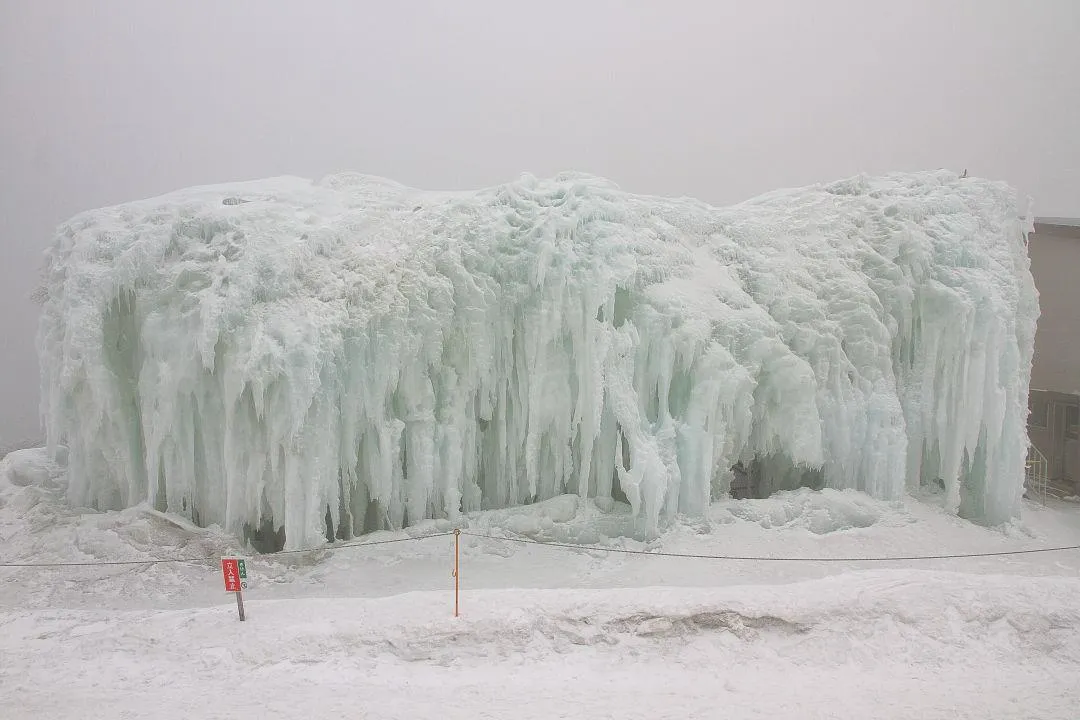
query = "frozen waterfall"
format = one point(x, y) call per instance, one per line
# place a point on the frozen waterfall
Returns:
point(335, 357)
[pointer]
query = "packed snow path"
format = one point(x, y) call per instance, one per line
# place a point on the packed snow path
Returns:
point(331, 358)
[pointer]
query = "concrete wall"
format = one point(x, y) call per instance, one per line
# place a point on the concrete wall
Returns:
point(1055, 264)
point(1054, 249)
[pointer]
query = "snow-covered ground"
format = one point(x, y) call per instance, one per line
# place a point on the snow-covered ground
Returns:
point(545, 632)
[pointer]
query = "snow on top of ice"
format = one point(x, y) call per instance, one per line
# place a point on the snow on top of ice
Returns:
point(281, 350)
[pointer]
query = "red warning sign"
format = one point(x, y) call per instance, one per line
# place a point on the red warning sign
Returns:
point(230, 570)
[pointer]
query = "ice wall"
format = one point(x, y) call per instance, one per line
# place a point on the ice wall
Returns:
point(289, 354)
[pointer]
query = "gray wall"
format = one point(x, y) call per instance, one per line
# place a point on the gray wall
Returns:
point(1055, 264)
point(1054, 249)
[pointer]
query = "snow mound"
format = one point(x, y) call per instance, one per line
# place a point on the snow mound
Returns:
point(864, 615)
point(326, 359)
point(33, 467)
point(562, 519)
point(905, 616)
point(879, 644)
point(822, 512)
point(36, 526)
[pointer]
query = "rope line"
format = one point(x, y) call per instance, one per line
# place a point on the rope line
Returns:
point(571, 546)
point(208, 558)
point(765, 558)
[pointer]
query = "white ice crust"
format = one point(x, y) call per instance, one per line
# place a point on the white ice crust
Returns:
point(283, 352)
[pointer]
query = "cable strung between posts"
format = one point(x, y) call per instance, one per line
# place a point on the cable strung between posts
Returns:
point(209, 558)
point(571, 546)
point(659, 553)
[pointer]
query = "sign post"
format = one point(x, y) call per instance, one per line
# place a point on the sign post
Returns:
point(457, 557)
point(234, 572)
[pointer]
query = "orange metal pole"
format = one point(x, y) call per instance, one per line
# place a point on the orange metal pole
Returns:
point(457, 555)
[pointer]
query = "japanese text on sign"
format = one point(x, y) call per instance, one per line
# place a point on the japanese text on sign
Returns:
point(234, 572)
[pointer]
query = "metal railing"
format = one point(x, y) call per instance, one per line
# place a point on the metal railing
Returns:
point(1036, 474)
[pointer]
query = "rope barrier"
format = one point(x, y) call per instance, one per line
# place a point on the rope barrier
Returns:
point(571, 546)
point(215, 558)
point(766, 558)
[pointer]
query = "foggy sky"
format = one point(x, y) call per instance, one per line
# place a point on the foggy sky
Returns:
point(106, 101)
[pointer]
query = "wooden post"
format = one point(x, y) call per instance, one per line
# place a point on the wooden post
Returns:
point(457, 578)
point(240, 604)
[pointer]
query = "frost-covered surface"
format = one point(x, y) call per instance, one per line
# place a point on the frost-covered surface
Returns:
point(33, 467)
point(546, 632)
point(889, 644)
point(280, 352)
point(8, 446)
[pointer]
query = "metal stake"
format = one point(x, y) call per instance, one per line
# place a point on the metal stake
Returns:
point(457, 578)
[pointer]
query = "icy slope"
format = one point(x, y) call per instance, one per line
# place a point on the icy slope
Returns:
point(285, 353)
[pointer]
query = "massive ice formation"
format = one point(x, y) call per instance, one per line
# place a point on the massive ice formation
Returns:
point(336, 357)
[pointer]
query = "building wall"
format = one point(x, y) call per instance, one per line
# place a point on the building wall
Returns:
point(1055, 264)
point(1054, 249)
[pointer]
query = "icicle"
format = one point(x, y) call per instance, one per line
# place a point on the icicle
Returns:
point(339, 357)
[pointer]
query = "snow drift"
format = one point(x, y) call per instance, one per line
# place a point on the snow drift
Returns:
point(325, 359)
